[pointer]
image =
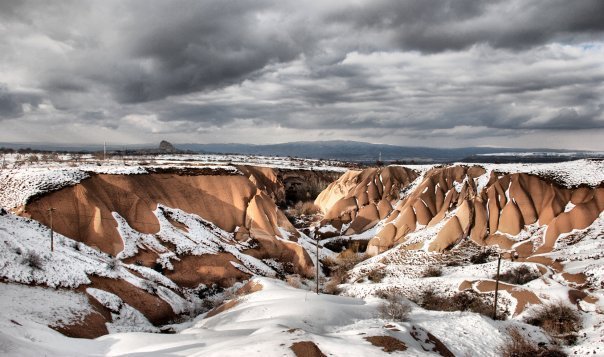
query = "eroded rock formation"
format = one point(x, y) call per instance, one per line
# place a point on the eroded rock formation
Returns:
point(458, 202)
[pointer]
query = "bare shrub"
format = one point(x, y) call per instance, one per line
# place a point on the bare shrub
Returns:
point(331, 287)
point(329, 261)
point(460, 301)
point(348, 259)
point(337, 277)
point(33, 158)
point(519, 346)
point(471, 301)
point(376, 275)
point(480, 258)
point(557, 318)
point(339, 268)
point(33, 260)
point(520, 275)
point(293, 281)
point(394, 308)
point(113, 264)
point(433, 271)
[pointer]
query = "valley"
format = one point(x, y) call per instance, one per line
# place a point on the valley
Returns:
point(217, 255)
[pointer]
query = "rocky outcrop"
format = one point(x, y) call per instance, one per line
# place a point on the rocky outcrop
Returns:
point(198, 227)
point(459, 202)
point(360, 199)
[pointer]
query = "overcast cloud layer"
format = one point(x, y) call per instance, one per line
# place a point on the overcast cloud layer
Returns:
point(431, 73)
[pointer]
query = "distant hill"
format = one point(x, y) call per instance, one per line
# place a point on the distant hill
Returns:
point(366, 152)
point(339, 150)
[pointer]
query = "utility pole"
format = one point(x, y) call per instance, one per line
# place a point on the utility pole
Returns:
point(318, 262)
point(104, 150)
point(52, 241)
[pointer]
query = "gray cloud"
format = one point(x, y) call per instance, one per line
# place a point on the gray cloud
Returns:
point(12, 102)
point(458, 70)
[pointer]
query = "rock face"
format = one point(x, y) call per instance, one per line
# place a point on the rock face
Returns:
point(457, 202)
point(362, 198)
point(198, 227)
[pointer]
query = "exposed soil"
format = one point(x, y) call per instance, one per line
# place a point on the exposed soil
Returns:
point(90, 326)
point(156, 310)
point(306, 349)
point(387, 343)
point(193, 270)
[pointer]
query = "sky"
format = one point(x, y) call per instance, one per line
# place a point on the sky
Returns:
point(456, 73)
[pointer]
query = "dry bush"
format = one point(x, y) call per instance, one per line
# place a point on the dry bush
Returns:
point(433, 271)
point(329, 261)
point(294, 281)
point(113, 264)
point(376, 275)
point(519, 275)
point(481, 258)
point(33, 158)
point(461, 301)
point(339, 271)
point(471, 301)
point(331, 287)
point(557, 318)
point(33, 260)
point(306, 208)
point(518, 346)
point(348, 259)
point(394, 308)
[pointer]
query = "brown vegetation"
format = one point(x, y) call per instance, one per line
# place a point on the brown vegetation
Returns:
point(520, 275)
point(517, 345)
point(461, 301)
point(557, 318)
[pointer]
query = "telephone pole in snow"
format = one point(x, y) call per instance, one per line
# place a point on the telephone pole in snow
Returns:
point(318, 262)
point(104, 150)
point(52, 241)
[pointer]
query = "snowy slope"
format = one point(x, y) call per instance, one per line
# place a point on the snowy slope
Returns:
point(268, 322)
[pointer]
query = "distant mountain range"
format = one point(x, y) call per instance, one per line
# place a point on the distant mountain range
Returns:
point(348, 151)
point(366, 152)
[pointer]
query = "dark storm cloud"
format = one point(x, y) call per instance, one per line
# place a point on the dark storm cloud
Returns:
point(11, 102)
point(376, 68)
point(188, 46)
point(434, 26)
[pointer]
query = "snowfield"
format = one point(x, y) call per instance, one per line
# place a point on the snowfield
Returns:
point(268, 322)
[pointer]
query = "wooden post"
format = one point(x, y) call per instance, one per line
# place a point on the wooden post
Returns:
point(318, 262)
point(496, 287)
point(52, 241)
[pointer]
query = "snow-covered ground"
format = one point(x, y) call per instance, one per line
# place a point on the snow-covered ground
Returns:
point(21, 179)
point(580, 251)
point(268, 322)
point(277, 316)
